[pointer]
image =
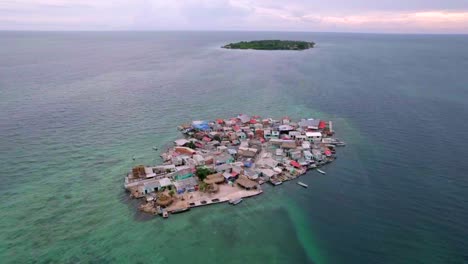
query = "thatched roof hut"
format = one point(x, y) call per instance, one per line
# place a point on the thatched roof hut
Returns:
point(164, 200)
point(214, 178)
point(244, 182)
point(212, 188)
point(138, 172)
point(147, 208)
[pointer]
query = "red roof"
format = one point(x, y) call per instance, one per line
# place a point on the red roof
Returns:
point(328, 152)
point(295, 164)
point(220, 121)
point(236, 128)
point(207, 139)
point(253, 121)
point(322, 124)
point(234, 174)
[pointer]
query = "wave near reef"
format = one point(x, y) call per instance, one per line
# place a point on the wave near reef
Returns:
point(227, 160)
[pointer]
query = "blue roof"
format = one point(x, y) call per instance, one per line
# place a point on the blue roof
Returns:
point(201, 125)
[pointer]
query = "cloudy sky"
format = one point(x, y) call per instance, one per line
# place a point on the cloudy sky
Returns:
point(389, 16)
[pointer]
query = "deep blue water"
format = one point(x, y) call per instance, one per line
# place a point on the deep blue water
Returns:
point(75, 107)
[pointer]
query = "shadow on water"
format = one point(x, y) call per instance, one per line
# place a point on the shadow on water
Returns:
point(132, 205)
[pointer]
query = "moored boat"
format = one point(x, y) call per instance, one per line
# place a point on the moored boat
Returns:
point(275, 182)
point(176, 211)
point(303, 184)
point(235, 201)
point(321, 171)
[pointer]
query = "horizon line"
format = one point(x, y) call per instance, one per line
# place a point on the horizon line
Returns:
point(229, 30)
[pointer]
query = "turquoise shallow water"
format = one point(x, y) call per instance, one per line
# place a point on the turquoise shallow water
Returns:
point(75, 107)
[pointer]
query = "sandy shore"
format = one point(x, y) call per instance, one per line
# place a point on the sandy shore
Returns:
point(226, 192)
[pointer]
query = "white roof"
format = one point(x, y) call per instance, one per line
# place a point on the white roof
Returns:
point(198, 158)
point(254, 150)
point(232, 151)
point(227, 175)
point(165, 182)
point(181, 142)
point(152, 184)
point(285, 127)
point(313, 134)
point(181, 168)
point(167, 166)
point(238, 163)
point(149, 172)
point(237, 169)
point(268, 172)
point(244, 118)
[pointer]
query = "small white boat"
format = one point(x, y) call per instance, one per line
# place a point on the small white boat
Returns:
point(236, 201)
point(321, 171)
point(275, 182)
point(165, 214)
point(181, 210)
point(303, 184)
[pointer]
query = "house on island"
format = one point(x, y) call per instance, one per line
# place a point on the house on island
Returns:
point(309, 124)
point(244, 118)
point(150, 186)
point(314, 136)
point(183, 172)
point(187, 184)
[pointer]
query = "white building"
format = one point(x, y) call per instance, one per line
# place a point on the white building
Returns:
point(314, 136)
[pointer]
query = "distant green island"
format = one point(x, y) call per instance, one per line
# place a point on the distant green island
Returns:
point(271, 45)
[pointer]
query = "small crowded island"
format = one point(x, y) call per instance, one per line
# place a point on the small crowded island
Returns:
point(271, 45)
point(228, 160)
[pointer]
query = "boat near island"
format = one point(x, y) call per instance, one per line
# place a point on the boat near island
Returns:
point(275, 182)
point(180, 210)
point(321, 171)
point(235, 201)
point(303, 184)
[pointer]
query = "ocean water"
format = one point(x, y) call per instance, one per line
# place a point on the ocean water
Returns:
point(75, 107)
